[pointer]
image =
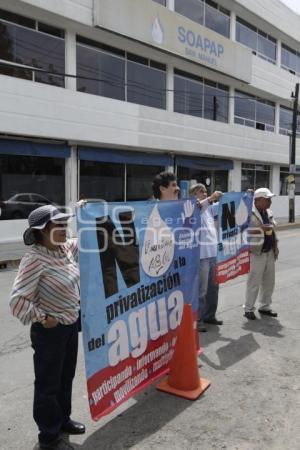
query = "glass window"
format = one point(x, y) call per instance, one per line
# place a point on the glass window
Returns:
point(255, 176)
point(27, 182)
point(146, 85)
point(266, 47)
point(265, 112)
point(244, 105)
point(254, 112)
point(106, 72)
point(25, 46)
point(193, 9)
point(284, 173)
point(290, 59)
point(286, 121)
point(217, 20)
point(188, 96)
point(212, 179)
point(102, 181)
point(246, 34)
point(201, 98)
point(207, 13)
point(110, 72)
point(162, 2)
point(261, 43)
point(139, 181)
point(215, 102)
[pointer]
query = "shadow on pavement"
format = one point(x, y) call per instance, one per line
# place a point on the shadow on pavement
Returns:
point(269, 326)
point(152, 411)
point(233, 352)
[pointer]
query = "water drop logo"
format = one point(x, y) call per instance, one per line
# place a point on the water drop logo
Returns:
point(158, 247)
point(241, 215)
point(157, 31)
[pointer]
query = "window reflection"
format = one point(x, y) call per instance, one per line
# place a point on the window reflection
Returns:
point(27, 182)
point(162, 2)
point(200, 97)
point(284, 173)
point(102, 70)
point(255, 176)
point(100, 180)
point(30, 47)
point(207, 13)
point(146, 85)
point(188, 95)
point(254, 112)
point(217, 20)
point(286, 121)
point(139, 181)
point(212, 179)
point(193, 9)
point(290, 60)
point(262, 44)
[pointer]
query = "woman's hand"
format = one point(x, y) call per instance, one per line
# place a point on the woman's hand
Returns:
point(50, 322)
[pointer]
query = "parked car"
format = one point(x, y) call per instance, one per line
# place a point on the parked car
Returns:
point(19, 206)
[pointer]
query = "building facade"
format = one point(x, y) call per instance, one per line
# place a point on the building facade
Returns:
point(96, 97)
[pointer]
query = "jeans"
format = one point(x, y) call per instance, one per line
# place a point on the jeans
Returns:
point(209, 290)
point(55, 357)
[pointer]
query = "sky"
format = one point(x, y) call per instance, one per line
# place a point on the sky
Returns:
point(293, 4)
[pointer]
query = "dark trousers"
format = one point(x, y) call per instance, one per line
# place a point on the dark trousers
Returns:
point(55, 357)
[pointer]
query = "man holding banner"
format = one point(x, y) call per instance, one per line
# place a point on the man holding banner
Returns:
point(139, 267)
point(165, 186)
point(209, 290)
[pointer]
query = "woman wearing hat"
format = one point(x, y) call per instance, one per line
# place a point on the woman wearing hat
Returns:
point(45, 294)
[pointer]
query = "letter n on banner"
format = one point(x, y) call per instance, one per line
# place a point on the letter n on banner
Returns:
point(233, 255)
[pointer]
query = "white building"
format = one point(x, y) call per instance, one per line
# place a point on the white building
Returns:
point(96, 97)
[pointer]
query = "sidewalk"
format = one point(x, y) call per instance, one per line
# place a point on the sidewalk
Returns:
point(11, 253)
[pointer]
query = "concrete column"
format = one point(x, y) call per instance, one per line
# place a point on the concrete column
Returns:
point(70, 59)
point(231, 105)
point(171, 5)
point(170, 88)
point(275, 179)
point(71, 178)
point(278, 53)
point(232, 34)
point(235, 177)
point(277, 117)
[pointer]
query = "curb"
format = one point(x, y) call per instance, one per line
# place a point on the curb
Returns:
point(288, 226)
point(9, 264)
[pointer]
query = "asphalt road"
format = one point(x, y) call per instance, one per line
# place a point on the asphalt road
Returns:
point(254, 367)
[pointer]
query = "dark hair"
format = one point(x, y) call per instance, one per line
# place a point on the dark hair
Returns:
point(162, 179)
point(38, 234)
point(38, 237)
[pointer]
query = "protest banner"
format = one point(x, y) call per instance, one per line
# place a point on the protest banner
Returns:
point(139, 265)
point(233, 256)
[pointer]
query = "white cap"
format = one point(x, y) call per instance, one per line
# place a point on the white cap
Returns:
point(263, 193)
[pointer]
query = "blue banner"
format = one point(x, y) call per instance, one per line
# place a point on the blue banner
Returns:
point(234, 215)
point(139, 264)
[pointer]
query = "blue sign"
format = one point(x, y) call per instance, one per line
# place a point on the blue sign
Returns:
point(139, 264)
point(234, 215)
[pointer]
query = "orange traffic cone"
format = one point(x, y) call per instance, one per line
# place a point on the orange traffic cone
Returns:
point(184, 379)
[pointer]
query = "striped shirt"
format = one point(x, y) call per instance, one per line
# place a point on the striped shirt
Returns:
point(47, 284)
